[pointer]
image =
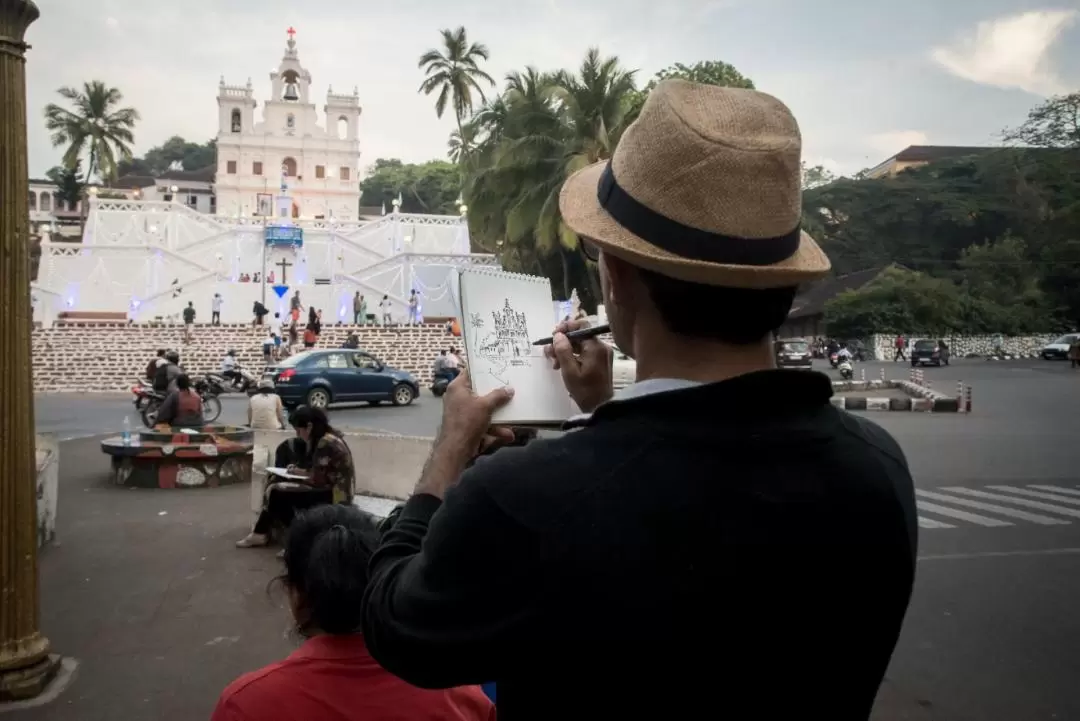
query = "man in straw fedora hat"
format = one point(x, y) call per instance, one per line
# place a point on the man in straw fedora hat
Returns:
point(716, 540)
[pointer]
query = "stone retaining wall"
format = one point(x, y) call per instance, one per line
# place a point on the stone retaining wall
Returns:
point(84, 357)
point(1025, 346)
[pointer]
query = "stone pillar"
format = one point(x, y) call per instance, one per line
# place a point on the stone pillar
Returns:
point(25, 664)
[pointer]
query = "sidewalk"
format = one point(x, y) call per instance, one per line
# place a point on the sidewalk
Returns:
point(146, 591)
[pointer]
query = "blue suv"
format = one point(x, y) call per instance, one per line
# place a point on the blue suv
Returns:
point(318, 378)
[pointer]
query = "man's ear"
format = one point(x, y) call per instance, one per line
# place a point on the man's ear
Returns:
point(619, 276)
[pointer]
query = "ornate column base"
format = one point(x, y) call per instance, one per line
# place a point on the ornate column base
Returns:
point(29, 682)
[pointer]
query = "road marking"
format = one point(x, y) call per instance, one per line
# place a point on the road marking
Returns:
point(928, 523)
point(1037, 505)
point(1058, 489)
point(1000, 554)
point(1036, 494)
point(960, 515)
point(1000, 510)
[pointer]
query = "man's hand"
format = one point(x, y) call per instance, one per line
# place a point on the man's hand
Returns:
point(586, 374)
point(466, 430)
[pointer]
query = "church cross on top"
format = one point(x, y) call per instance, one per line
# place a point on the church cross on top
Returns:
point(291, 32)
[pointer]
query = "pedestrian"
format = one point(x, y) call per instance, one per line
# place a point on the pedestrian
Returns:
point(414, 307)
point(359, 306)
point(215, 309)
point(259, 311)
point(899, 344)
point(309, 337)
point(1074, 352)
point(189, 321)
point(384, 309)
point(718, 534)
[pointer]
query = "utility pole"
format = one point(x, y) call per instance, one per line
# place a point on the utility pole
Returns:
point(26, 667)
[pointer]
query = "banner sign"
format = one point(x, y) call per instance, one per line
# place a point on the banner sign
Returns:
point(284, 236)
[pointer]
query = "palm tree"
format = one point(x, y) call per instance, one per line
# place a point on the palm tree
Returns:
point(455, 72)
point(97, 126)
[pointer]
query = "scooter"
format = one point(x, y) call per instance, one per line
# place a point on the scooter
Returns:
point(834, 359)
point(846, 370)
point(246, 383)
point(440, 384)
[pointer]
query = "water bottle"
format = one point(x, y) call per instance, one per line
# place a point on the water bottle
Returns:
point(125, 433)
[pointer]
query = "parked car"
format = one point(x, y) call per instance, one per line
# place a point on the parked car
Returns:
point(793, 353)
point(929, 352)
point(1059, 349)
point(320, 377)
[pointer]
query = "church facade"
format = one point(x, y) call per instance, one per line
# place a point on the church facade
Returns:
point(286, 164)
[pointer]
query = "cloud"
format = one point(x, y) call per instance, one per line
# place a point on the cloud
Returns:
point(890, 143)
point(1010, 52)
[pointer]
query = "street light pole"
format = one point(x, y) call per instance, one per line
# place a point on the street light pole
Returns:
point(26, 667)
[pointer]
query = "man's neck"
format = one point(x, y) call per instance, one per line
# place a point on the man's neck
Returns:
point(664, 355)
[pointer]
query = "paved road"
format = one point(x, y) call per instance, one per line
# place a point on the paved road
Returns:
point(992, 626)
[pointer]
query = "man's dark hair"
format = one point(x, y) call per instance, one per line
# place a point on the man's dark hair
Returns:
point(161, 353)
point(183, 382)
point(326, 559)
point(739, 316)
point(442, 352)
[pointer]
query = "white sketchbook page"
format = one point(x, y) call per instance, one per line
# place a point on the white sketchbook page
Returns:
point(502, 314)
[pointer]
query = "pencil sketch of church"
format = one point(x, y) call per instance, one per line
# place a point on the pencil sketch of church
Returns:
point(511, 336)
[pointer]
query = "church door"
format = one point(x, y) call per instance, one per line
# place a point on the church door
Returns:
point(295, 210)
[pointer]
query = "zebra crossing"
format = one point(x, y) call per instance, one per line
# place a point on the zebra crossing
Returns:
point(995, 506)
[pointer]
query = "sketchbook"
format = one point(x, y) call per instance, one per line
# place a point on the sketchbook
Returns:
point(501, 315)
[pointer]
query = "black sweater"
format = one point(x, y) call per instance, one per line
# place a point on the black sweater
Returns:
point(738, 550)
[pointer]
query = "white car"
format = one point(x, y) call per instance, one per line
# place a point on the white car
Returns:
point(1059, 349)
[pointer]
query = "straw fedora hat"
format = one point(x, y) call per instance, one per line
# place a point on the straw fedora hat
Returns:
point(705, 186)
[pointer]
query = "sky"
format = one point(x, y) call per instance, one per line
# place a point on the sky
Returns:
point(864, 79)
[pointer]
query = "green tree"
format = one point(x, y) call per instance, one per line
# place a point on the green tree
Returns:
point(709, 72)
point(431, 187)
point(69, 183)
point(454, 71)
point(174, 152)
point(97, 126)
point(898, 301)
point(1051, 124)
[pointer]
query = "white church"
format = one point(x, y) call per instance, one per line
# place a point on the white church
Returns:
point(319, 164)
point(287, 220)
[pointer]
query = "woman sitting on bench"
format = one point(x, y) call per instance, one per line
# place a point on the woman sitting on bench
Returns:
point(327, 471)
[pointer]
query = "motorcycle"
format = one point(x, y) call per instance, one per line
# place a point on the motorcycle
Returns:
point(147, 402)
point(439, 384)
point(846, 370)
point(834, 359)
point(247, 382)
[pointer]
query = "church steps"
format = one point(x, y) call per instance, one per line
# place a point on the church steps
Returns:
point(89, 357)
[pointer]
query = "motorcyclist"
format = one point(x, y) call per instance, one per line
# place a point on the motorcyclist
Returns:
point(166, 373)
point(443, 367)
point(153, 365)
point(352, 342)
point(844, 354)
point(230, 367)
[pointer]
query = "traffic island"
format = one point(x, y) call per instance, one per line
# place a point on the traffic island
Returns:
point(890, 395)
point(182, 458)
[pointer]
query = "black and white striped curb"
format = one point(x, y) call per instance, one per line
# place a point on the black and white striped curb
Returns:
point(920, 398)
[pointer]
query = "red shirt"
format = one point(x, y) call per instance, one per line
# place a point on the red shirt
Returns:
point(334, 678)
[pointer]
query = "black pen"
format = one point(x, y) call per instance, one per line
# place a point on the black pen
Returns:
point(578, 335)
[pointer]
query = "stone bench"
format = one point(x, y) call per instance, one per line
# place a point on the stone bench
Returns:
point(209, 457)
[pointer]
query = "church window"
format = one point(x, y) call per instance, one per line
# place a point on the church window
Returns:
point(290, 121)
point(230, 167)
point(345, 173)
point(33, 200)
point(343, 127)
point(236, 121)
point(213, 204)
point(288, 167)
point(256, 168)
point(320, 171)
point(46, 202)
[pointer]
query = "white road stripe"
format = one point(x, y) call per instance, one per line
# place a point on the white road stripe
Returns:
point(1000, 510)
point(1036, 494)
point(960, 515)
point(1058, 489)
point(1037, 505)
point(927, 523)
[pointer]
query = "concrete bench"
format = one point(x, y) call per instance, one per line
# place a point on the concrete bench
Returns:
point(208, 457)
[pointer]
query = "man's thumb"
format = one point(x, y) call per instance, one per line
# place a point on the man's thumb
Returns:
point(497, 398)
point(563, 350)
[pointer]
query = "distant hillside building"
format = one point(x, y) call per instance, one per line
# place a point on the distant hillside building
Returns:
point(918, 155)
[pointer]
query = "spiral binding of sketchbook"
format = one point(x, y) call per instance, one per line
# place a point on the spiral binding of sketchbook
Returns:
point(501, 314)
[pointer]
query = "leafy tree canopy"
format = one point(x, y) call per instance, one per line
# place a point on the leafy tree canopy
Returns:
point(431, 187)
point(174, 153)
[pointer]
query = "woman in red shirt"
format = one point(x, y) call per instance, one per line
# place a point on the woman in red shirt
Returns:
point(332, 677)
